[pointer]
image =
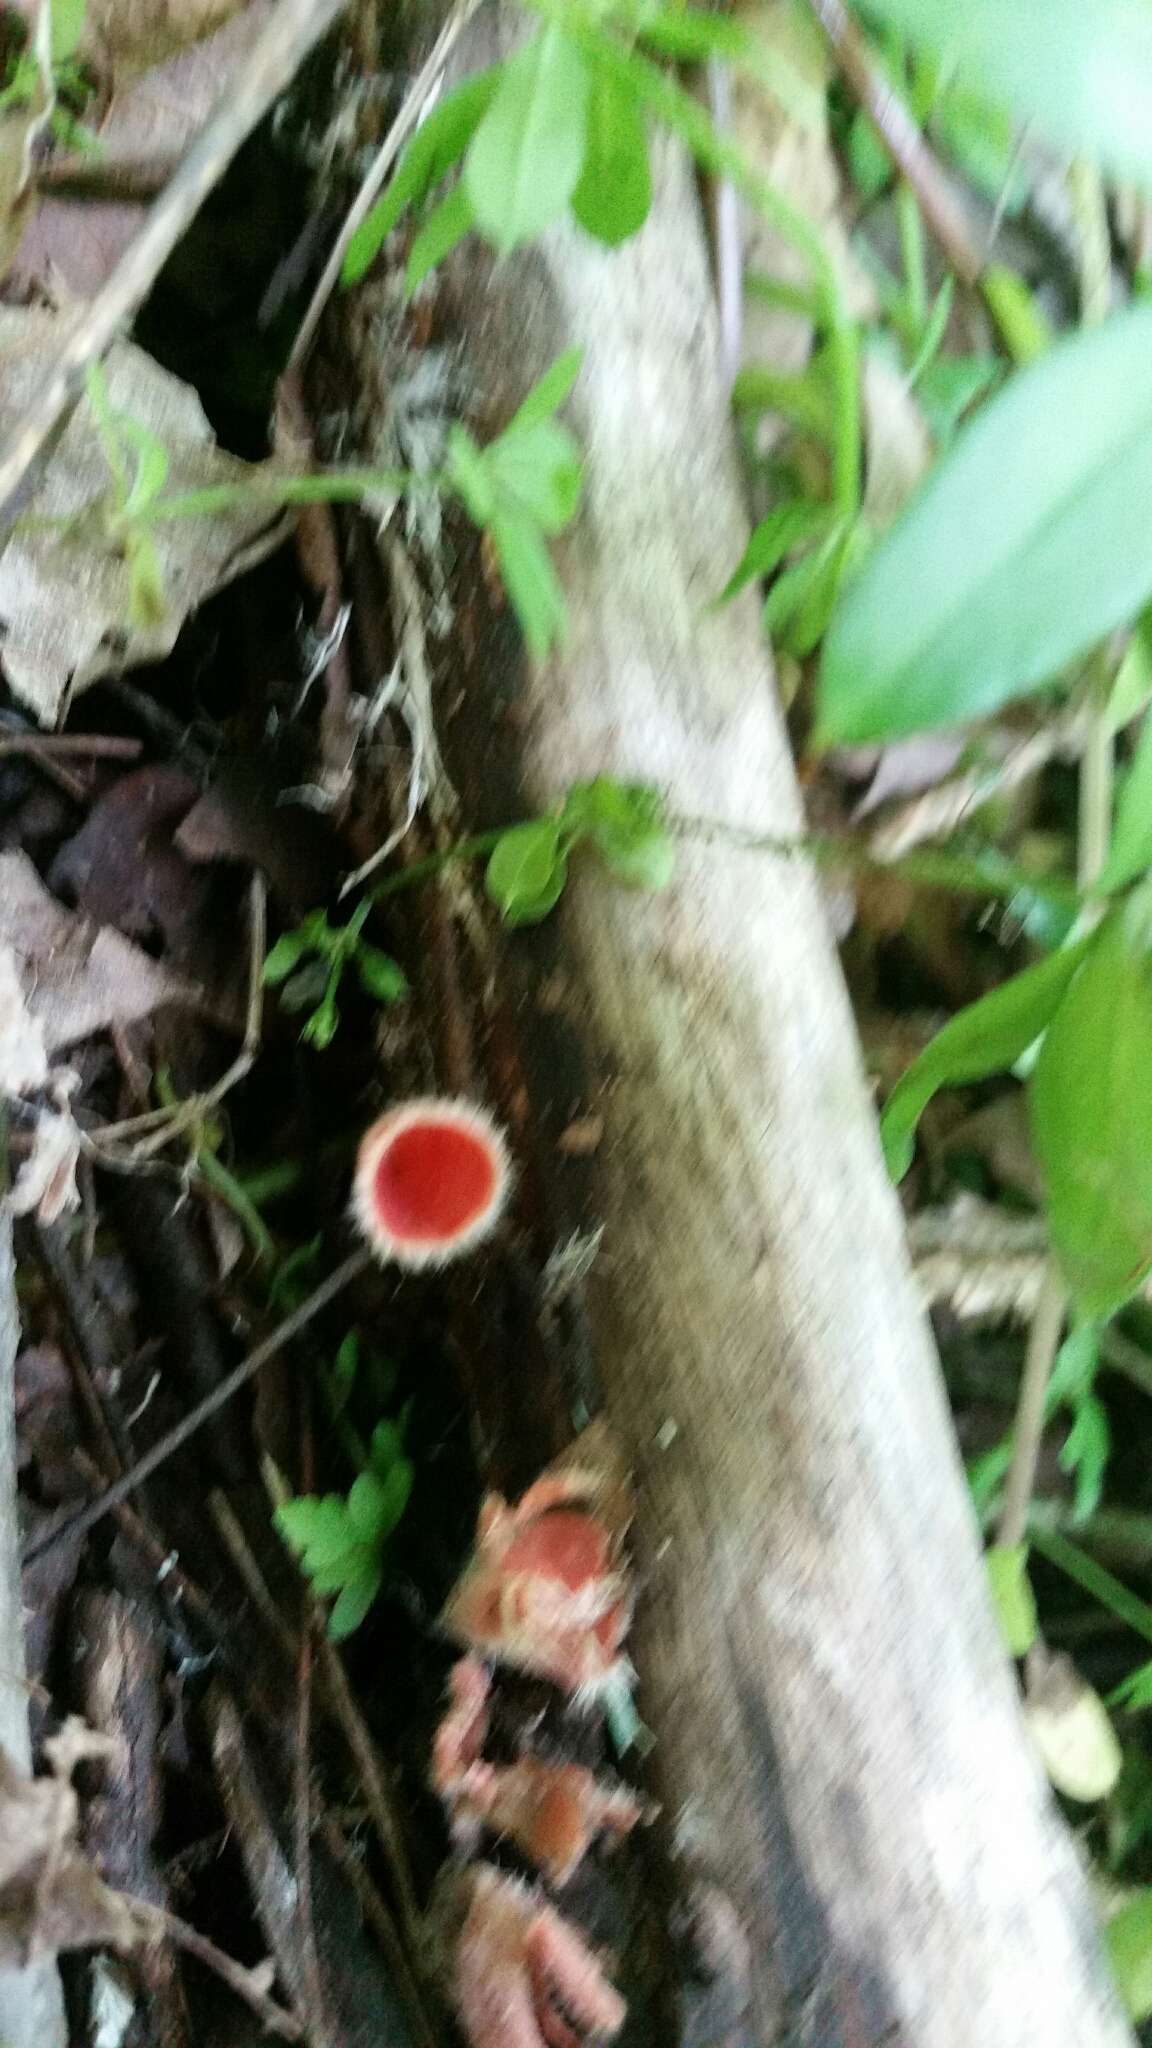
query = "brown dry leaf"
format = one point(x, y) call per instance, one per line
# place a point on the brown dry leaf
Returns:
point(64, 596)
point(72, 245)
point(51, 1897)
point(78, 977)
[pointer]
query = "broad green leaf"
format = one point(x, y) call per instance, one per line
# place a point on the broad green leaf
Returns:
point(1091, 1115)
point(949, 386)
point(386, 1448)
point(1128, 1937)
point(774, 538)
point(1134, 1693)
point(1080, 69)
point(353, 1604)
point(537, 468)
point(530, 581)
point(428, 157)
point(525, 158)
point(802, 397)
point(986, 1038)
point(446, 225)
point(1131, 849)
point(467, 470)
point(548, 393)
point(393, 1498)
point(614, 194)
point(1012, 1596)
point(1021, 550)
point(1074, 1372)
point(527, 871)
point(380, 976)
point(345, 1367)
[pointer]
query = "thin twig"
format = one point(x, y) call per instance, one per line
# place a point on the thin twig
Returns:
point(367, 1761)
point(87, 1518)
point(93, 746)
point(939, 203)
point(421, 90)
point(160, 1924)
point(1028, 1429)
point(294, 27)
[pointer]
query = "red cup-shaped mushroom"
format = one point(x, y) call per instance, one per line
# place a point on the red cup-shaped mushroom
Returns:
point(432, 1177)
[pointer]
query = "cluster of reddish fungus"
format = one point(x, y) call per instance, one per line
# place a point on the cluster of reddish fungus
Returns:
point(545, 1594)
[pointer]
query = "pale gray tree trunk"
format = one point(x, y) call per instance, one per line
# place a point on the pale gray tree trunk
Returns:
point(838, 1734)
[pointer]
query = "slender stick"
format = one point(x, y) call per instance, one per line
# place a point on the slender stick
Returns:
point(939, 203)
point(87, 1518)
point(415, 100)
point(1043, 1343)
point(293, 29)
point(157, 1922)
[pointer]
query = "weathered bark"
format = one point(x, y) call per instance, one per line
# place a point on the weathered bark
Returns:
point(838, 1734)
point(31, 2003)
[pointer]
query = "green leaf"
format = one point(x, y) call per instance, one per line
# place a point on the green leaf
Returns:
point(1084, 1453)
point(353, 1604)
point(1134, 1693)
point(322, 1026)
point(380, 975)
point(147, 601)
point(446, 225)
point(524, 161)
point(285, 953)
point(1074, 1370)
point(428, 157)
point(467, 471)
point(949, 386)
point(526, 873)
point(1132, 689)
point(985, 1038)
point(1082, 72)
point(802, 397)
point(1012, 1596)
point(625, 823)
point(691, 36)
point(774, 538)
point(537, 469)
point(386, 1448)
point(1128, 1937)
point(530, 581)
point(798, 606)
point(868, 160)
point(1091, 1114)
point(342, 1378)
point(368, 1499)
point(1131, 849)
point(151, 464)
point(1020, 551)
point(316, 1527)
point(66, 29)
point(548, 393)
point(614, 194)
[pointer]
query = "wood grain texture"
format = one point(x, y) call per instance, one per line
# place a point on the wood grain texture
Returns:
point(839, 1737)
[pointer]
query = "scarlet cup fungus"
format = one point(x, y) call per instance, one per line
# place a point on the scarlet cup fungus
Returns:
point(431, 1180)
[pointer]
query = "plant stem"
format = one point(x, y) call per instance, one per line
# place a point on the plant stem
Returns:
point(1043, 1344)
point(1135, 1613)
point(912, 256)
point(332, 486)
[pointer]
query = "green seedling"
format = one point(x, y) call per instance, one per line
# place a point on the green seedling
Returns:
point(308, 966)
point(622, 822)
point(341, 1541)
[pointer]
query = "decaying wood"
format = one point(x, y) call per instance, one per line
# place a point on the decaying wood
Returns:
point(31, 2004)
point(839, 1742)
